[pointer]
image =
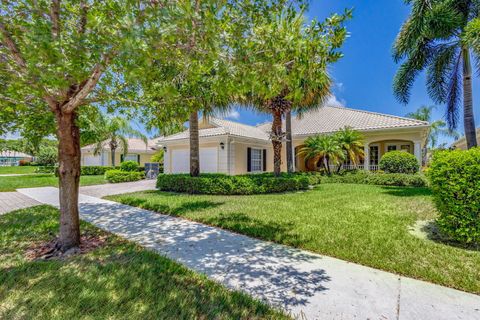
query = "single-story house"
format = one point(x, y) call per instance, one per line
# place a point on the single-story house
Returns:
point(13, 158)
point(137, 151)
point(462, 142)
point(235, 148)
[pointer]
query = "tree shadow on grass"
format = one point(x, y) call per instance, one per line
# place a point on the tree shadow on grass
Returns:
point(175, 211)
point(270, 230)
point(407, 191)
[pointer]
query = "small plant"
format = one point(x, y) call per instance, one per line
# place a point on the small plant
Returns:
point(455, 181)
point(129, 166)
point(48, 156)
point(399, 162)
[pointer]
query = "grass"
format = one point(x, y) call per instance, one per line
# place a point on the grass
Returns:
point(42, 180)
point(118, 281)
point(17, 170)
point(365, 224)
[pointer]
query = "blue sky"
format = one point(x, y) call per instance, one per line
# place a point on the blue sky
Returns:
point(364, 75)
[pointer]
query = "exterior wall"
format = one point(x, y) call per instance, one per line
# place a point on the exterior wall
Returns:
point(107, 158)
point(462, 143)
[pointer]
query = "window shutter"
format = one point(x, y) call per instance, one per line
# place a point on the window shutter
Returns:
point(249, 159)
point(121, 157)
point(138, 158)
point(264, 159)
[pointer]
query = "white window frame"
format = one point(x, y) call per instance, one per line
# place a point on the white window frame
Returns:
point(125, 158)
point(259, 160)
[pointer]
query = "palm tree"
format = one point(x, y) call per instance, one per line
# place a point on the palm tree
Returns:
point(437, 128)
point(351, 142)
point(432, 39)
point(114, 132)
point(284, 64)
point(325, 148)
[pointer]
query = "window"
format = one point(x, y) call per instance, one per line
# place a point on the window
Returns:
point(391, 148)
point(257, 160)
point(405, 147)
point(131, 157)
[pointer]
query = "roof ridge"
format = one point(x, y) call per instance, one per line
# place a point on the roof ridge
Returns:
point(378, 113)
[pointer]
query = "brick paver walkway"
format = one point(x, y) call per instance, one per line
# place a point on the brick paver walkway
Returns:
point(10, 201)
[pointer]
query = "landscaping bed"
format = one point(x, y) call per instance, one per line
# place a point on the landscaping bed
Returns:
point(117, 280)
point(221, 184)
point(365, 224)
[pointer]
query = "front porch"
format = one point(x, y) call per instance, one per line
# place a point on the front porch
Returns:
point(373, 153)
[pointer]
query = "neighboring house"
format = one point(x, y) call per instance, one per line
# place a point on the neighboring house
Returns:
point(137, 151)
point(234, 148)
point(13, 158)
point(462, 142)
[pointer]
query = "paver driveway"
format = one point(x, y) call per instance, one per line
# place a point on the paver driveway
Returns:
point(308, 285)
point(10, 201)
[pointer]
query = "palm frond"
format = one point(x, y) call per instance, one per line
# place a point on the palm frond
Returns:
point(440, 70)
point(454, 94)
point(123, 144)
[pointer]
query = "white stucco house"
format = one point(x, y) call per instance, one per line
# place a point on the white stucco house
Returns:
point(234, 148)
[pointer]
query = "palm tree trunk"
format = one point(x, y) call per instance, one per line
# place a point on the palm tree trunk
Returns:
point(325, 163)
point(468, 116)
point(288, 129)
point(277, 142)
point(194, 145)
point(68, 135)
point(113, 149)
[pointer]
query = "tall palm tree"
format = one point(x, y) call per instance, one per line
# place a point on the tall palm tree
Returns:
point(351, 142)
point(325, 148)
point(432, 39)
point(437, 127)
point(114, 132)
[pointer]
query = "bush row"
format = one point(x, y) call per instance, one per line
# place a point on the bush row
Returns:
point(455, 182)
point(235, 185)
point(116, 176)
point(377, 178)
point(85, 170)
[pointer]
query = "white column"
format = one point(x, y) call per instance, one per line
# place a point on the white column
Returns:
point(417, 151)
point(366, 161)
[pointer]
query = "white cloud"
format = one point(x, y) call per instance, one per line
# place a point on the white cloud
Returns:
point(233, 114)
point(334, 102)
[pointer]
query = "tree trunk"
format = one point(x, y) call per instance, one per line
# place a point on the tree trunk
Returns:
point(113, 149)
point(277, 142)
point(288, 129)
point(468, 116)
point(69, 178)
point(325, 163)
point(194, 146)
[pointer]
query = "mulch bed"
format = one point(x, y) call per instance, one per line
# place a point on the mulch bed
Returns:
point(49, 250)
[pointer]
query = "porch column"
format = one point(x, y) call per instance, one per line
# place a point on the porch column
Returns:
point(417, 151)
point(366, 161)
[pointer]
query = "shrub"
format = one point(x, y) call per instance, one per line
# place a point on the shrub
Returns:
point(399, 162)
point(378, 178)
point(234, 185)
point(116, 176)
point(158, 156)
point(455, 181)
point(94, 170)
point(47, 156)
point(129, 166)
point(46, 169)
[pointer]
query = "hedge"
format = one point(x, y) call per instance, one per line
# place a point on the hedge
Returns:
point(455, 181)
point(221, 184)
point(399, 162)
point(129, 166)
point(378, 178)
point(116, 176)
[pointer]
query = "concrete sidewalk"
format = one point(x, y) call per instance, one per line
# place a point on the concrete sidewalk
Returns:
point(307, 285)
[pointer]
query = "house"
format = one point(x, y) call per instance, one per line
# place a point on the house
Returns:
point(462, 142)
point(137, 151)
point(235, 148)
point(13, 158)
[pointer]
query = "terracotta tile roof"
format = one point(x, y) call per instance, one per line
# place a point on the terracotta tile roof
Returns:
point(331, 119)
point(324, 120)
point(134, 145)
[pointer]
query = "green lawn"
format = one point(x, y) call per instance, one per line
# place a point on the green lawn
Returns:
point(42, 180)
point(17, 170)
point(118, 281)
point(360, 223)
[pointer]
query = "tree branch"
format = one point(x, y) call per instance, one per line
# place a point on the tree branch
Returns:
point(55, 17)
point(83, 18)
point(12, 47)
point(88, 85)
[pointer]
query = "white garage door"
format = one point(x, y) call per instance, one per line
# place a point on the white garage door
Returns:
point(208, 160)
